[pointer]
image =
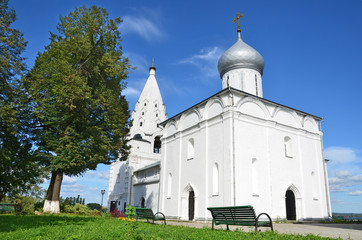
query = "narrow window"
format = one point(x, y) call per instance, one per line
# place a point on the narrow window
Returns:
point(288, 147)
point(314, 185)
point(145, 104)
point(140, 124)
point(143, 113)
point(254, 178)
point(215, 180)
point(256, 85)
point(169, 184)
point(190, 149)
point(156, 114)
point(156, 105)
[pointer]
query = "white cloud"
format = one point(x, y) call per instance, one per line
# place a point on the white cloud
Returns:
point(205, 61)
point(130, 91)
point(148, 29)
point(103, 175)
point(69, 180)
point(340, 154)
point(75, 189)
point(343, 174)
point(355, 193)
point(344, 179)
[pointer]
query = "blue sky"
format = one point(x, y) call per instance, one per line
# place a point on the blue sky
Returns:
point(313, 60)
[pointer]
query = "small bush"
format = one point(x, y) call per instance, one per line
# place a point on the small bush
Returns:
point(94, 206)
point(116, 213)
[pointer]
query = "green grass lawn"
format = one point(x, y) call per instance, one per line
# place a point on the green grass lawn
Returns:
point(84, 227)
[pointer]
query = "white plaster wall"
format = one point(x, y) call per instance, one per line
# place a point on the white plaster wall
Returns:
point(259, 133)
point(149, 191)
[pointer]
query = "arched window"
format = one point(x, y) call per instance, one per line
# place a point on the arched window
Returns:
point(215, 180)
point(169, 185)
point(288, 147)
point(190, 149)
point(141, 124)
point(157, 145)
point(256, 85)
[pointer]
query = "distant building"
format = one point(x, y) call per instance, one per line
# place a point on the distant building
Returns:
point(234, 148)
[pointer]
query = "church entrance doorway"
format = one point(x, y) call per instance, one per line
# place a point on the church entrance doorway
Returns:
point(191, 205)
point(142, 202)
point(290, 205)
point(113, 206)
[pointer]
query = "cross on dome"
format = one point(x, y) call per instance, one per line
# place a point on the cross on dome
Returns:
point(238, 16)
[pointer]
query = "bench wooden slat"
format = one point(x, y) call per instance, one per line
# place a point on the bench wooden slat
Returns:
point(147, 213)
point(238, 215)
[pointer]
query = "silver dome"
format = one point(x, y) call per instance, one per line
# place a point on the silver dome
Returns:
point(240, 55)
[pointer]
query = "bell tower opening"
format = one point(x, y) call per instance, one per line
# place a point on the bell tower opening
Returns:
point(157, 145)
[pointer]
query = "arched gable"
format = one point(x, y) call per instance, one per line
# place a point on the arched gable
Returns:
point(214, 107)
point(170, 128)
point(310, 124)
point(286, 117)
point(190, 119)
point(253, 107)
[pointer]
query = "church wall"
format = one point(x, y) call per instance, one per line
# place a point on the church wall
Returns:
point(149, 192)
point(170, 165)
point(264, 168)
point(313, 177)
point(252, 165)
point(117, 190)
point(192, 171)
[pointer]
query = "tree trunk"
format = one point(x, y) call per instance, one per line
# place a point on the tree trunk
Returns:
point(51, 204)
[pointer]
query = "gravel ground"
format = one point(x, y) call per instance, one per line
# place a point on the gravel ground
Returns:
point(345, 231)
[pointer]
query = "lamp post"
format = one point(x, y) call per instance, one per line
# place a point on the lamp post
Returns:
point(102, 192)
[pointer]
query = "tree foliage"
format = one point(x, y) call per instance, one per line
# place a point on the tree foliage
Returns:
point(19, 164)
point(81, 117)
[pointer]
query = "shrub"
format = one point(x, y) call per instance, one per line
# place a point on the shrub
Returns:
point(80, 209)
point(27, 204)
point(94, 206)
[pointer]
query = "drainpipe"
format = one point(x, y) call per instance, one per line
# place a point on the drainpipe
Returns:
point(325, 175)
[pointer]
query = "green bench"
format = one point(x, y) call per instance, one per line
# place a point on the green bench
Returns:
point(9, 207)
point(147, 213)
point(238, 215)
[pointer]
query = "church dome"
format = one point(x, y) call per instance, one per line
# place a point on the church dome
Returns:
point(240, 55)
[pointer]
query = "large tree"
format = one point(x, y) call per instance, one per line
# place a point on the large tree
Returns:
point(19, 165)
point(76, 91)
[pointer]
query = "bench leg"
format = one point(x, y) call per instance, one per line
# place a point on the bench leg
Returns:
point(212, 225)
point(227, 227)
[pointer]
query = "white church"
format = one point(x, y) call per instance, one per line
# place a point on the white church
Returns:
point(234, 148)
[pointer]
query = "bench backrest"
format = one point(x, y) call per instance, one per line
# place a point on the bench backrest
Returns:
point(237, 214)
point(144, 212)
point(9, 207)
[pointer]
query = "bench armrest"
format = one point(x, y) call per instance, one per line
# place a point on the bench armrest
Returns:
point(160, 213)
point(257, 219)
